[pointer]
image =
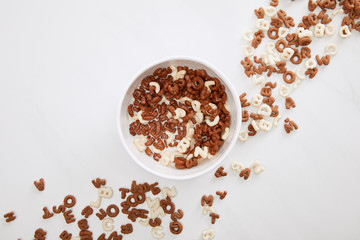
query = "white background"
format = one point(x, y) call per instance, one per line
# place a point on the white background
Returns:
point(63, 65)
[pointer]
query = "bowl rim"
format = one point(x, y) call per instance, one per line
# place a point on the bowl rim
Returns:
point(223, 78)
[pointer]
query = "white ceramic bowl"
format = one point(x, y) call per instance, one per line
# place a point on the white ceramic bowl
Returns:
point(147, 162)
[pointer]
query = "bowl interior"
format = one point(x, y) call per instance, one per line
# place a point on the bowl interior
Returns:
point(169, 172)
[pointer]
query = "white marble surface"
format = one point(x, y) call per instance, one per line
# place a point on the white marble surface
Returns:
point(63, 65)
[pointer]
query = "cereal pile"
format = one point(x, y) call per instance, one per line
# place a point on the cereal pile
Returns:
point(287, 49)
point(133, 198)
point(182, 109)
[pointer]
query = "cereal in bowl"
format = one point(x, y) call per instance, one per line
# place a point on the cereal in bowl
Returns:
point(179, 116)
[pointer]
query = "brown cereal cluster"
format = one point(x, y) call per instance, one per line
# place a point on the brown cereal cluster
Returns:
point(192, 85)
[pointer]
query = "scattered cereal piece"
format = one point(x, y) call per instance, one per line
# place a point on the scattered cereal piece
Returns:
point(262, 24)
point(69, 201)
point(256, 167)
point(214, 216)
point(65, 235)
point(287, 54)
point(222, 195)
point(344, 31)
point(176, 227)
point(155, 190)
point(98, 182)
point(101, 214)
point(284, 91)
point(144, 222)
point(271, 85)
point(311, 72)
point(158, 211)
point(83, 225)
point(40, 185)
point(153, 203)
point(107, 224)
point(220, 172)
point(249, 35)
point(10, 216)
point(289, 102)
point(243, 100)
point(177, 215)
point(208, 234)
point(296, 84)
point(276, 121)
point(167, 192)
point(243, 136)
point(97, 203)
point(40, 234)
point(260, 13)
point(331, 49)
point(256, 116)
point(265, 125)
point(270, 11)
point(257, 100)
point(157, 232)
point(323, 60)
point(319, 30)
point(244, 116)
point(283, 32)
point(104, 192)
point(310, 63)
point(337, 11)
point(290, 125)
point(126, 229)
point(207, 200)
point(69, 218)
point(112, 210)
point(298, 75)
point(86, 212)
point(264, 110)
point(59, 209)
point(258, 80)
point(252, 131)
point(330, 29)
point(245, 173)
point(47, 213)
point(167, 205)
point(249, 50)
point(208, 209)
point(123, 191)
point(155, 222)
